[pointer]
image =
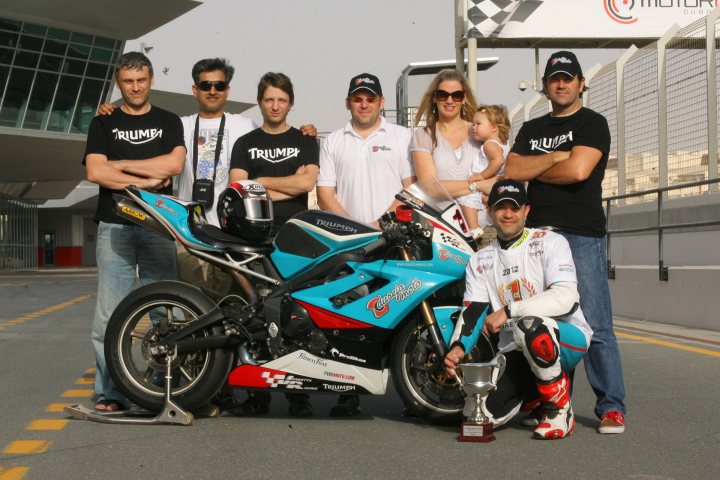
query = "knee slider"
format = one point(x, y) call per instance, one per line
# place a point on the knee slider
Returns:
point(533, 335)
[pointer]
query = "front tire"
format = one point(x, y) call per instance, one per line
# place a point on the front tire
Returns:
point(143, 318)
point(420, 380)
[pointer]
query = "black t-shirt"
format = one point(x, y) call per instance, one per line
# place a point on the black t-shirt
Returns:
point(575, 208)
point(262, 154)
point(120, 136)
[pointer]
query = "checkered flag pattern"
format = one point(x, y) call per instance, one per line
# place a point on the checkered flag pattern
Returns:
point(487, 18)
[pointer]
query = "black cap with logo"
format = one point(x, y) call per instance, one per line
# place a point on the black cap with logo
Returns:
point(563, 62)
point(507, 189)
point(365, 81)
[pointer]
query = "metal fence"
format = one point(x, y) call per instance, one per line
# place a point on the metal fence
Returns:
point(18, 235)
point(661, 103)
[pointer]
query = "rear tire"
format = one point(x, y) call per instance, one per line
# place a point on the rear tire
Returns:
point(133, 327)
point(424, 387)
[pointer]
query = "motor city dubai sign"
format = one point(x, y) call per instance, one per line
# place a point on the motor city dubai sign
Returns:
point(581, 18)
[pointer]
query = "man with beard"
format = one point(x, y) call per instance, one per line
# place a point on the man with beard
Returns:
point(526, 278)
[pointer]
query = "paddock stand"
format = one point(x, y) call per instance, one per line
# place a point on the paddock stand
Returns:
point(171, 412)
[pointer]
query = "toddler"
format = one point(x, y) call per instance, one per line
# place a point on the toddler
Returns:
point(491, 125)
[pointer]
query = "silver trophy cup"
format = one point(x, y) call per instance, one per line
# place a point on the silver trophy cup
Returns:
point(478, 380)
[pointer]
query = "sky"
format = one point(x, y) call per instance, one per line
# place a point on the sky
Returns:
point(321, 44)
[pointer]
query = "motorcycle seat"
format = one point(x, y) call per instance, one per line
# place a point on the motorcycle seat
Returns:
point(213, 235)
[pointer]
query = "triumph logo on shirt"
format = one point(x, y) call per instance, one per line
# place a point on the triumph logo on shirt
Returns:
point(377, 148)
point(547, 145)
point(137, 137)
point(274, 155)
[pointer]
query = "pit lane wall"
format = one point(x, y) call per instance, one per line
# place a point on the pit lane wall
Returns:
point(692, 256)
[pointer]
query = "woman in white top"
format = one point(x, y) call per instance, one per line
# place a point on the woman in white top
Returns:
point(444, 148)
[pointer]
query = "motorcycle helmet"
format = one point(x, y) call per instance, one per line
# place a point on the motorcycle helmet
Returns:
point(245, 210)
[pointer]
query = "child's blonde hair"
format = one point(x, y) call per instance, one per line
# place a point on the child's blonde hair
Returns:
point(498, 115)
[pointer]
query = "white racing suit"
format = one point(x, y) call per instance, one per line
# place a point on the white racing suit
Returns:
point(546, 334)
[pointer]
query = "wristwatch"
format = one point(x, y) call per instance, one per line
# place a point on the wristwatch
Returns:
point(472, 187)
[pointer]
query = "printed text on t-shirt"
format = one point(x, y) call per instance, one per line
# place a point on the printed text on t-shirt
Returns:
point(274, 154)
point(547, 145)
point(136, 137)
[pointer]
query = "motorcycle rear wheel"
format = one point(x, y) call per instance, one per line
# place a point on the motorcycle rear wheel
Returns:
point(137, 323)
point(424, 389)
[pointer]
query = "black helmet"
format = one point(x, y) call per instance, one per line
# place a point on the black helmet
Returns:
point(245, 210)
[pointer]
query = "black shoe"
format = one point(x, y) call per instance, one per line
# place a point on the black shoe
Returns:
point(209, 410)
point(299, 406)
point(347, 406)
point(256, 404)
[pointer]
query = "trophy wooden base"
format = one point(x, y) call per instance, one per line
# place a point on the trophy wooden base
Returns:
point(476, 432)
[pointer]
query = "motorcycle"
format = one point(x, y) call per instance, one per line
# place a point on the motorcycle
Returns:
point(330, 306)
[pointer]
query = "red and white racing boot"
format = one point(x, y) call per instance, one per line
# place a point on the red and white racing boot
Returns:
point(558, 420)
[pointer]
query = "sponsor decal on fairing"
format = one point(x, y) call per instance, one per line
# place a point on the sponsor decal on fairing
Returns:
point(380, 305)
point(445, 255)
point(338, 354)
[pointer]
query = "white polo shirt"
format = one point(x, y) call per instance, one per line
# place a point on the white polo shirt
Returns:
point(236, 126)
point(366, 173)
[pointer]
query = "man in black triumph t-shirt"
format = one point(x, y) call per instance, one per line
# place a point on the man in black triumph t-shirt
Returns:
point(285, 162)
point(563, 155)
point(141, 145)
point(277, 155)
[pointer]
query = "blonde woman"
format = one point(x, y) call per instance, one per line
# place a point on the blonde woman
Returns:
point(445, 147)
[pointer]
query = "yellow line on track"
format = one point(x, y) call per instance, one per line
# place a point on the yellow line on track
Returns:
point(78, 393)
point(665, 343)
point(44, 311)
point(27, 447)
point(47, 424)
point(57, 407)
point(13, 473)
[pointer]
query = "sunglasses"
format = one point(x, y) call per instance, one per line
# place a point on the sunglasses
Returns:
point(442, 95)
point(205, 86)
point(360, 99)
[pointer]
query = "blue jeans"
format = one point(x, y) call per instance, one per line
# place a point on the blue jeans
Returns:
point(602, 361)
point(123, 252)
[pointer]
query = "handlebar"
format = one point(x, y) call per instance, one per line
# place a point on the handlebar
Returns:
point(371, 247)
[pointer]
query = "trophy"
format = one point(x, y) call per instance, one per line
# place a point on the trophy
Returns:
point(478, 380)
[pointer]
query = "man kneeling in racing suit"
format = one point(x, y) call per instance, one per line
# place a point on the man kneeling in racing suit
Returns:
point(527, 278)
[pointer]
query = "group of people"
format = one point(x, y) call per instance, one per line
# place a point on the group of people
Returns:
point(357, 170)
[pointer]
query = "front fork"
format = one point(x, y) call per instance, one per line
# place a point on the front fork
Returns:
point(428, 317)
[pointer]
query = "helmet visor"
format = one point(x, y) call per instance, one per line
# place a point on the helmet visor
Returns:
point(258, 209)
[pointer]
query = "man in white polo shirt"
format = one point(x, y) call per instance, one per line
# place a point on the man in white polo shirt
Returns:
point(362, 166)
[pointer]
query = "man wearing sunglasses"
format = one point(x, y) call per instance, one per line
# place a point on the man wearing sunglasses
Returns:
point(563, 155)
point(362, 166)
point(365, 163)
point(209, 137)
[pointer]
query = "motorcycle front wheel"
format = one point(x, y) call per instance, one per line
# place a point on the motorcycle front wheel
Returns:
point(142, 319)
point(424, 388)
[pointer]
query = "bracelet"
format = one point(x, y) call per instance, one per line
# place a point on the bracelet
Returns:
point(472, 187)
point(507, 311)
